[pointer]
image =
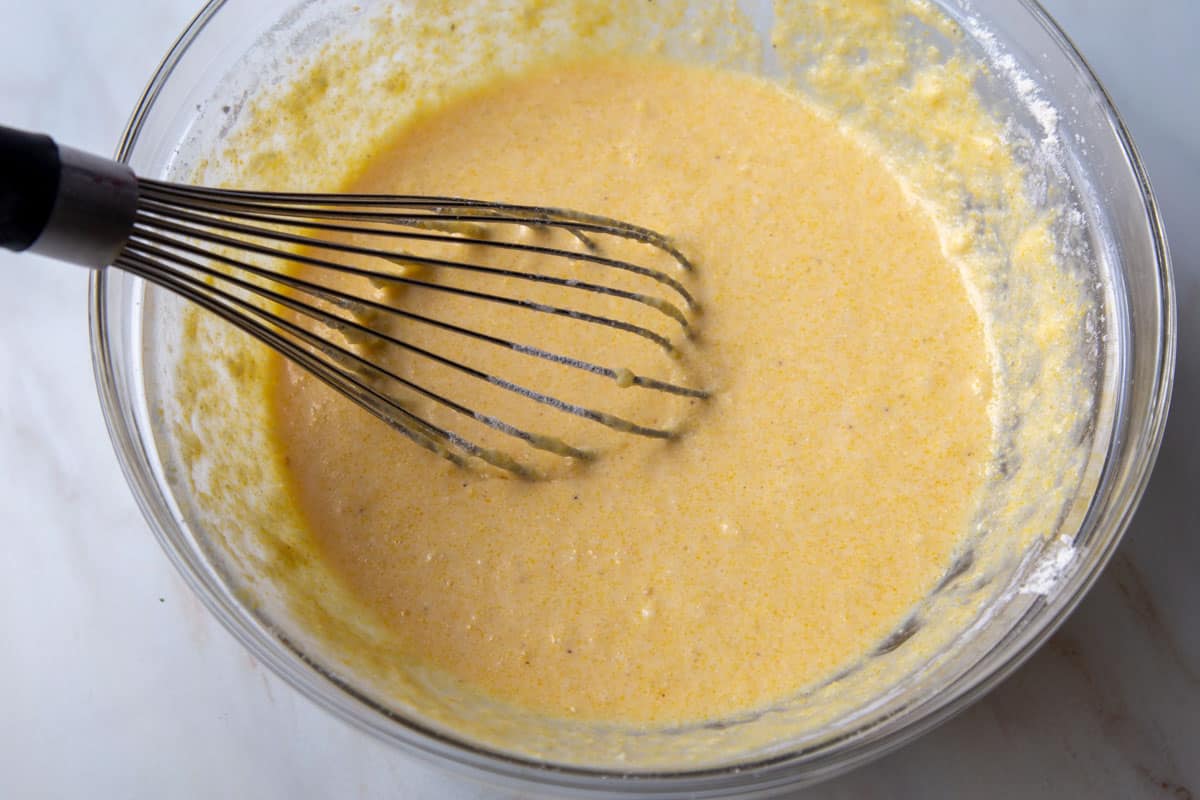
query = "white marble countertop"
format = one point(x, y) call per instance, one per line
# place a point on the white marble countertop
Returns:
point(117, 683)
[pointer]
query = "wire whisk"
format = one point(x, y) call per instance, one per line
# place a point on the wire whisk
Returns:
point(476, 329)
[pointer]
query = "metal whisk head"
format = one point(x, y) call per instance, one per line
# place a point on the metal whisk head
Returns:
point(237, 254)
point(485, 332)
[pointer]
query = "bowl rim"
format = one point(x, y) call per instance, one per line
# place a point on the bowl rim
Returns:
point(761, 775)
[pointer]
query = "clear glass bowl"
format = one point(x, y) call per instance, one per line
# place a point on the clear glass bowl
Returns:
point(1128, 239)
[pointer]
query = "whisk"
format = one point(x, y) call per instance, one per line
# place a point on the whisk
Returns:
point(337, 282)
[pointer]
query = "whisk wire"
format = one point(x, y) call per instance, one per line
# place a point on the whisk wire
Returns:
point(149, 229)
point(353, 302)
point(419, 430)
point(297, 218)
point(158, 217)
point(552, 444)
point(142, 252)
point(538, 215)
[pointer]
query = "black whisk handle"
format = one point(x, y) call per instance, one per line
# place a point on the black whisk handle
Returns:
point(30, 169)
point(63, 203)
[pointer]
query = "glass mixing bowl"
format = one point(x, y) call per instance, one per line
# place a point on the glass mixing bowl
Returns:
point(1128, 244)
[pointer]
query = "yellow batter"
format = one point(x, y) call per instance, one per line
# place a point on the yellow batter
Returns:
point(815, 499)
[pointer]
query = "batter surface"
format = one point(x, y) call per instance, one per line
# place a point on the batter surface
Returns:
point(816, 497)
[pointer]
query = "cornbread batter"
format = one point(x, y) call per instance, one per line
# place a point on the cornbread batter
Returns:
point(816, 497)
